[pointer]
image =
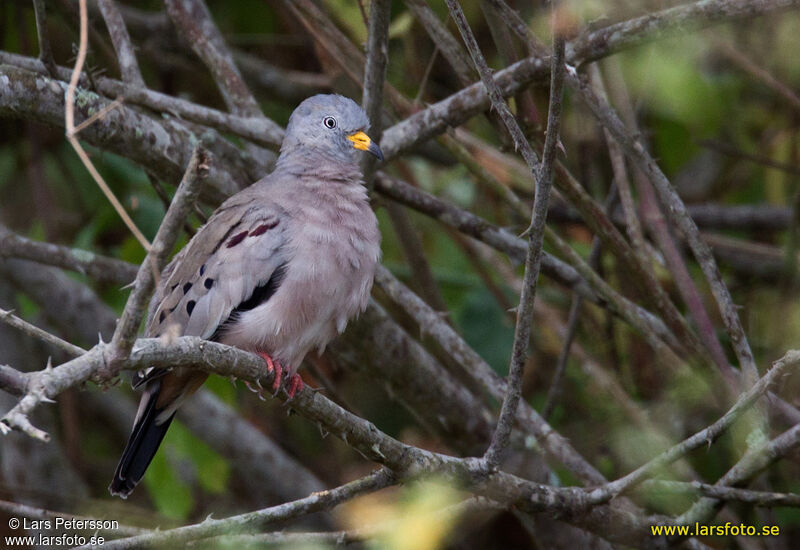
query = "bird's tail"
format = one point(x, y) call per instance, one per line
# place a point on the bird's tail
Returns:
point(148, 432)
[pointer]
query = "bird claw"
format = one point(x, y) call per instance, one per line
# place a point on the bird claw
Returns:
point(293, 383)
point(276, 385)
point(258, 390)
point(273, 366)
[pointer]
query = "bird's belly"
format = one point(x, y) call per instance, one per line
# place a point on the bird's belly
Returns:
point(319, 294)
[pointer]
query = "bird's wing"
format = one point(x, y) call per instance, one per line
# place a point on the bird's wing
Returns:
point(231, 259)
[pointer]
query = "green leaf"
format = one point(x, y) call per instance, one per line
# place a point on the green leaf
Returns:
point(171, 496)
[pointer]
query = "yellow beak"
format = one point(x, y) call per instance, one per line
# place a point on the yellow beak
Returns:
point(362, 142)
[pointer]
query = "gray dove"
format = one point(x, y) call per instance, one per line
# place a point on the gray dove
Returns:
point(278, 270)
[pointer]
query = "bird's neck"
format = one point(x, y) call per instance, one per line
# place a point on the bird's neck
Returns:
point(311, 162)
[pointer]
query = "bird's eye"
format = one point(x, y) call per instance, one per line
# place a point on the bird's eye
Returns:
point(329, 122)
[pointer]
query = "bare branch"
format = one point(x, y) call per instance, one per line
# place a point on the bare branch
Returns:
point(756, 498)
point(69, 125)
point(95, 266)
point(363, 436)
point(653, 26)
point(163, 145)
point(22, 510)
point(192, 19)
point(375, 76)
point(35, 332)
point(126, 57)
point(157, 255)
point(755, 460)
point(45, 52)
point(323, 500)
point(703, 437)
point(13, 381)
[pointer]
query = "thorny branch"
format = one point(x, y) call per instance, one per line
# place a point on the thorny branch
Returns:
point(403, 460)
point(159, 251)
point(542, 174)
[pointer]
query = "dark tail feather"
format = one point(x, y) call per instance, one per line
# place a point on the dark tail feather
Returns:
point(142, 446)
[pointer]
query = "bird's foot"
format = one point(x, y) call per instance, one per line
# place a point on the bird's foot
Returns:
point(273, 365)
point(295, 384)
point(259, 389)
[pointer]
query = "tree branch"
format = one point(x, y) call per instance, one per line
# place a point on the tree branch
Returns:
point(45, 51)
point(250, 521)
point(703, 437)
point(150, 270)
point(193, 21)
point(756, 498)
point(259, 130)
point(126, 57)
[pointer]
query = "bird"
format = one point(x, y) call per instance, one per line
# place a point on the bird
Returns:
point(278, 269)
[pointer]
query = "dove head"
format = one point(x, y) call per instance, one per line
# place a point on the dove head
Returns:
point(329, 126)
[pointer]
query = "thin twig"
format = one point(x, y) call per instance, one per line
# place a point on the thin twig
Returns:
point(126, 56)
point(375, 75)
point(194, 22)
point(596, 218)
point(556, 384)
point(323, 500)
point(15, 509)
point(677, 213)
point(703, 437)
point(414, 252)
point(757, 71)
point(71, 132)
point(543, 178)
point(444, 41)
point(32, 330)
point(586, 283)
point(99, 115)
point(655, 220)
point(95, 266)
point(151, 267)
point(45, 51)
point(753, 462)
point(756, 498)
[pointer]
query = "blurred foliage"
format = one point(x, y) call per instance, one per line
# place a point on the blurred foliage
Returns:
point(413, 516)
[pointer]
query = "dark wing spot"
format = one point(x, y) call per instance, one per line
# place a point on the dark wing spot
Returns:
point(260, 295)
point(208, 283)
point(173, 287)
point(263, 228)
point(190, 306)
point(187, 287)
point(161, 316)
point(202, 269)
point(236, 239)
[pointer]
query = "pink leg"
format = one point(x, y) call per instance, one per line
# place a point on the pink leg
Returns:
point(273, 365)
point(296, 384)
